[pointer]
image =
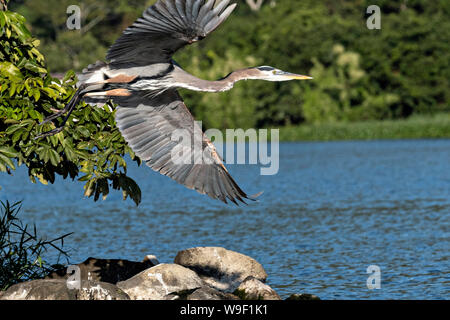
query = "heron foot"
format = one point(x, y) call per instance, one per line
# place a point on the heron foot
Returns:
point(58, 113)
point(49, 133)
point(52, 117)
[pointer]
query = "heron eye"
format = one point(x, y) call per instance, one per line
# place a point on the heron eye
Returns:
point(274, 71)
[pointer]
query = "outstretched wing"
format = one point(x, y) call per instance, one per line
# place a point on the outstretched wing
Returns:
point(165, 27)
point(161, 131)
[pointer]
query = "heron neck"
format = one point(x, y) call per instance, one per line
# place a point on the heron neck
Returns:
point(188, 81)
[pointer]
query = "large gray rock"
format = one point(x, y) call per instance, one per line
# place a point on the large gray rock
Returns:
point(253, 289)
point(105, 270)
point(92, 290)
point(58, 289)
point(164, 281)
point(220, 268)
point(207, 293)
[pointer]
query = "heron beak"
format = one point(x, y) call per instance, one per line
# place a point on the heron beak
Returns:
point(294, 76)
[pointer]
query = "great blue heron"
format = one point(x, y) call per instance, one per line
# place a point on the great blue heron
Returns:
point(142, 79)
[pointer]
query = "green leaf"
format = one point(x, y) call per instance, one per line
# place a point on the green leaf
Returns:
point(50, 92)
point(70, 154)
point(54, 157)
point(34, 114)
point(53, 140)
point(69, 74)
point(10, 152)
point(42, 179)
point(11, 129)
point(7, 161)
point(12, 89)
point(89, 187)
point(21, 31)
point(16, 136)
point(85, 177)
point(10, 71)
point(135, 193)
point(36, 94)
point(29, 65)
point(83, 131)
point(2, 19)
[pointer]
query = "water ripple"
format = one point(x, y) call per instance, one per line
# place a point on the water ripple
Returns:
point(333, 210)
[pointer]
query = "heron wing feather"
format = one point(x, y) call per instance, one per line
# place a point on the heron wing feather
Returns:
point(164, 28)
point(147, 122)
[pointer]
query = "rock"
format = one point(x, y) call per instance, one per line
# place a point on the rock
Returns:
point(152, 258)
point(158, 282)
point(220, 268)
point(303, 296)
point(253, 289)
point(172, 296)
point(40, 290)
point(57, 289)
point(207, 293)
point(105, 270)
point(92, 290)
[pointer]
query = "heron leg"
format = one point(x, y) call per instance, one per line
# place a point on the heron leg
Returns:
point(62, 111)
point(68, 108)
point(60, 127)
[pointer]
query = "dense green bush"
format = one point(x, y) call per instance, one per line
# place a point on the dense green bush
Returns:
point(22, 250)
point(90, 147)
point(405, 64)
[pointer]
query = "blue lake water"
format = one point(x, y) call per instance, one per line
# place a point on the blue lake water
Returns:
point(333, 209)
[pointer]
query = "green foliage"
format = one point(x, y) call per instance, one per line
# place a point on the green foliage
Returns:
point(404, 66)
point(415, 127)
point(101, 22)
point(343, 92)
point(89, 148)
point(21, 250)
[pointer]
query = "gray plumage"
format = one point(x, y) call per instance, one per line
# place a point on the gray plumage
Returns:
point(147, 125)
point(164, 28)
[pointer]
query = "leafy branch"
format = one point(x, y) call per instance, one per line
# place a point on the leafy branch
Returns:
point(90, 148)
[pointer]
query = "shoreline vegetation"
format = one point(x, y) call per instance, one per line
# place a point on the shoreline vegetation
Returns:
point(416, 127)
point(435, 126)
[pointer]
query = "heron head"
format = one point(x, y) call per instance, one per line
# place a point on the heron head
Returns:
point(272, 74)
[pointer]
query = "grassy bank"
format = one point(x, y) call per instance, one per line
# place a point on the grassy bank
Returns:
point(416, 127)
